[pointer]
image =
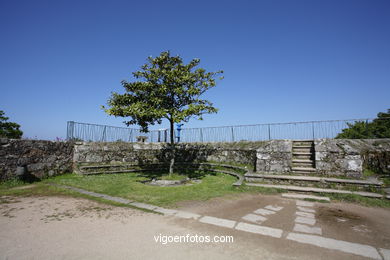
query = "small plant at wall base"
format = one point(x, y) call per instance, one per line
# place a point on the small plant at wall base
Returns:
point(9, 129)
point(166, 88)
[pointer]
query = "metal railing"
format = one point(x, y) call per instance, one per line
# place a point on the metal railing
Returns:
point(258, 132)
point(104, 133)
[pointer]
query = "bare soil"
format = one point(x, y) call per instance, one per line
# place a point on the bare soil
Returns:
point(342, 221)
point(69, 228)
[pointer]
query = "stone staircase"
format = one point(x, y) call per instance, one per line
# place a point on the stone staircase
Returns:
point(303, 177)
point(303, 157)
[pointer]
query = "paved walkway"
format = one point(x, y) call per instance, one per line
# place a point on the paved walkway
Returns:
point(305, 230)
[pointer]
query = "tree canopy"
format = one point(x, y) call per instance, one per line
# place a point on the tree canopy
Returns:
point(9, 129)
point(167, 88)
point(378, 128)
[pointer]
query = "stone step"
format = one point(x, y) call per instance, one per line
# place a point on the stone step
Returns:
point(302, 156)
point(91, 167)
point(303, 165)
point(295, 150)
point(303, 173)
point(115, 171)
point(131, 166)
point(303, 169)
point(308, 162)
point(303, 143)
point(302, 161)
point(318, 190)
point(313, 179)
point(302, 153)
point(302, 146)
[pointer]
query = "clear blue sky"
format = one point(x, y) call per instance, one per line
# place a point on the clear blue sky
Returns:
point(283, 60)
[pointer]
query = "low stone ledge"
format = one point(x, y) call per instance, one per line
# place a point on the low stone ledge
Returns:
point(318, 190)
point(312, 179)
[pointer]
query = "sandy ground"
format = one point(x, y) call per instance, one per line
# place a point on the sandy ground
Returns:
point(69, 228)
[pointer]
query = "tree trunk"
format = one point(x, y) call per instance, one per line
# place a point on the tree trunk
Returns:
point(172, 148)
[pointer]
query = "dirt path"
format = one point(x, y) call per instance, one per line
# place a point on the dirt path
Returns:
point(68, 228)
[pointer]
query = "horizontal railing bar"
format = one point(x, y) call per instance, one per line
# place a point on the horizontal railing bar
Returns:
point(262, 124)
point(291, 123)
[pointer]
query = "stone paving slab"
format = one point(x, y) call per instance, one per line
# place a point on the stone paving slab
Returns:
point(305, 203)
point(385, 253)
point(164, 211)
point(254, 218)
point(274, 208)
point(344, 246)
point(143, 205)
point(116, 199)
point(304, 214)
point(306, 209)
point(306, 229)
point(304, 196)
point(218, 221)
point(187, 215)
point(265, 231)
point(98, 195)
point(303, 220)
point(264, 212)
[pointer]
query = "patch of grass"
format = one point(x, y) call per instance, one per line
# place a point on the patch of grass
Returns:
point(128, 186)
point(371, 202)
point(39, 189)
point(368, 173)
point(12, 183)
point(262, 190)
point(42, 189)
point(386, 181)
point(315, 200)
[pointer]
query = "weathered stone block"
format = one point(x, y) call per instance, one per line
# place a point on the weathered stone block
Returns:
point(263, 156)
point(35, 167)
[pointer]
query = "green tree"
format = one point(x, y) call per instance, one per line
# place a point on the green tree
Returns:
point(9, 129)
point(165, 88)
point(378, 128)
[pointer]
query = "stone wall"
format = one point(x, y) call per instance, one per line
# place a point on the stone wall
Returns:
point(146, 153)
point(348, 157)
point(34, 158)
point(332, 157)
point(376, 156)
point(274, 156)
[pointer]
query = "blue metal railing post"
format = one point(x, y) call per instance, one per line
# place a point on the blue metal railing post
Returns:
point(312, 127)
point(269, 132)
point(70, 130)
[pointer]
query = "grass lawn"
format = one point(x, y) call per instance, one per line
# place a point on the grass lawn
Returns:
point(128, 186)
